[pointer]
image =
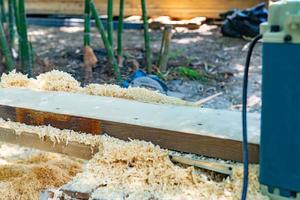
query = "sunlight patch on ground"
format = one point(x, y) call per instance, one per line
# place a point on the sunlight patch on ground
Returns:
point(187, 40)
point(71, 29)
point(207, 29)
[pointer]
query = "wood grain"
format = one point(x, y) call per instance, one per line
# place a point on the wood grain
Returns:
point(36, 118)
point(185, 142)
point(180, 141)
point(182, 9)
point(214, 166)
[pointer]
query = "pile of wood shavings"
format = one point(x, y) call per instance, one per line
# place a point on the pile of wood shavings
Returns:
point(137, 94)
point(140, 170)
point(14, 79)
point(134, 169)
point(60, 81)
point(24, 178)
point(56, 135)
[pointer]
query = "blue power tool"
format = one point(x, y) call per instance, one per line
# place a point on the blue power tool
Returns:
point(140, 79)
point(280, 115)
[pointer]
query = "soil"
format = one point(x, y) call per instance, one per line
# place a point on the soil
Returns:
point(220, 59)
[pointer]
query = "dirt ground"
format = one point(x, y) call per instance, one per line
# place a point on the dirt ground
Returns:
point(205, 50)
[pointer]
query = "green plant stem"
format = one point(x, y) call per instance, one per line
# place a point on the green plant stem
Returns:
point(16, 13)
point(31, 53)
point(11, 26)
point(26, 58)
point(17, 22)
point(87, 23)
point(106, 43)
point(110, 24)
point(146, 37)
point(2, 12)
point(5, 50)
point(120, 32)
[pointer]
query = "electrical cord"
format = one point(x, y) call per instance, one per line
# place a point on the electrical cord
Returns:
point(244, 118)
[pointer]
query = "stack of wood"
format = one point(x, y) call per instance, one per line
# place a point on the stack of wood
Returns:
point(192, 24)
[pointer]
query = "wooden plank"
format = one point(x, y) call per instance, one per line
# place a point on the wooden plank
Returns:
point(183, 9)
point(182, 141)
point(76, 195)
point(159, 22)
point(32, 140)
point(195, 120)
point(214, 166)
point(206, 132)
point(36, 118)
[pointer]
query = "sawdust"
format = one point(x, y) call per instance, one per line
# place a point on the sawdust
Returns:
point(141, 170)
point(137, 94)
point(23, 179)
point(14, 79)
point(60, 81)
point(134, 169)
point(54, 134)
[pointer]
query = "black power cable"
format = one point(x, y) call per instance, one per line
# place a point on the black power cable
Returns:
point(244, 118)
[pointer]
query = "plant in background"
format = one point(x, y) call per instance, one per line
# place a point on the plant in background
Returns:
point(90, 60)
point(146, 37)
point(191, 73)
point(110, 23)
point(17, 21)
point(16, 14)
point(6, 50)
point(120, 33)
point(165, 48)
point(5, 46)
point(25, 51)
point(108, 47)
point(11, 23)
point(2, 12)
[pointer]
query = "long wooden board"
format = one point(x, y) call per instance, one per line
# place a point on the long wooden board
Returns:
point(206, 132)
point(32, 140)
point(182, 9)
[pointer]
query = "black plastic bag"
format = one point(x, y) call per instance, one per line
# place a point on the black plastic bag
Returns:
point(244, 23)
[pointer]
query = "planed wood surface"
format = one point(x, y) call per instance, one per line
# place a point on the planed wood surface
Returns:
point(32, 140)
point(187, 129)
point(182, 9)
point(221, 168)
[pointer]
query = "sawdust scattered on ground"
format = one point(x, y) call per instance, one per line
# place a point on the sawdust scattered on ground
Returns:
point(134, 169)
point(141, 170)
point(24, 177)
point(64, 82)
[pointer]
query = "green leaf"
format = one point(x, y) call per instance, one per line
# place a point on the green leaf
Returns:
point(191, 73)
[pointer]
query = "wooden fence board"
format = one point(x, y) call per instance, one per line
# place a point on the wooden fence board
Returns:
point(183, 9)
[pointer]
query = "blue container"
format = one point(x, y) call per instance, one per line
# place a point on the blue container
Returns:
point(280, 117)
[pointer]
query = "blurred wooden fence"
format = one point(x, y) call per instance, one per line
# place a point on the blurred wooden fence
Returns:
point(182, 9)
